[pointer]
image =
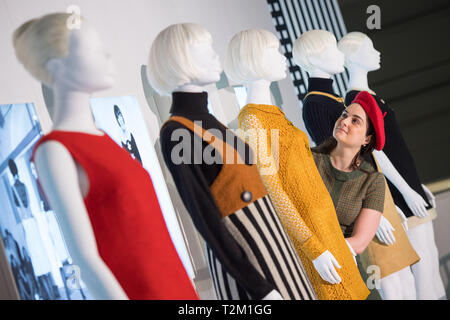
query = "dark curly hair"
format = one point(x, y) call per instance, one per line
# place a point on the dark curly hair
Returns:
point(329, 144)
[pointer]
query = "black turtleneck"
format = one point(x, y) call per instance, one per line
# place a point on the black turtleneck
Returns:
point(321, 84)
point(193, 182)
point(321, 112)
point(398, 153)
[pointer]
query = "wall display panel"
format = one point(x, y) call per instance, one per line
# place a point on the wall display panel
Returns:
point(34, 246)
point(122, 120)
point(294, 17)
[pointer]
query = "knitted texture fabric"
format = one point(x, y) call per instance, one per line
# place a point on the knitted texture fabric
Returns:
point(300, 198)
point(351, 191)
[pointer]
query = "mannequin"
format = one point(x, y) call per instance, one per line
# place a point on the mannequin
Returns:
point(414, 200)
point(316, 51)
point(81, 184)
point(323, 249)
point(226, 200)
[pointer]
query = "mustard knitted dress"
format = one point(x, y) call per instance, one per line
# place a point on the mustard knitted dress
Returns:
point(300, 198)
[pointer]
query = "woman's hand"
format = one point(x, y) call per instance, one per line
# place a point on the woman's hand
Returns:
point(325, 265)
point(385, 232)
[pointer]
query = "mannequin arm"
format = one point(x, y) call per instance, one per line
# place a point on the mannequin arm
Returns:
point(364, 230)
point(195, 191)
point(403, 218)
point(415, 202)
point(430, 196)
point(385, 232)
point(58, 177)
point(255, 134)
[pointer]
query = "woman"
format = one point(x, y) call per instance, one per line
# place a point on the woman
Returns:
point(128, 142)
point(356, 188)
point(360, 196)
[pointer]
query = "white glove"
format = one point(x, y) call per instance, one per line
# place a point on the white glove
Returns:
point(403, 217)
point(384, 232)
point(325, 265)
point(273, 295)
point(352, 251)
point(430, 196)
point(416, 203)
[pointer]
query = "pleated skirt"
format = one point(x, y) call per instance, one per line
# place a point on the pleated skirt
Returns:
point(261, 235)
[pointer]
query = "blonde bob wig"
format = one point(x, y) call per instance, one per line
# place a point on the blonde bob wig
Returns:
point(311, 43)
point(350, 44)
point(245, 53)
point(170, 64)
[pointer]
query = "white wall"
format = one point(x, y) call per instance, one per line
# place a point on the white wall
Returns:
point(128, 28)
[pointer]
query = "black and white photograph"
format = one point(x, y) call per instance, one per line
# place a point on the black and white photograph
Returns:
point(121, 118)
point(38, 257)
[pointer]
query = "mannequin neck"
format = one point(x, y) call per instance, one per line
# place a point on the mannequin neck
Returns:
point(317, 73)
point(189, 88)
point(358, 79)
point(258, 92)
point(72, 110)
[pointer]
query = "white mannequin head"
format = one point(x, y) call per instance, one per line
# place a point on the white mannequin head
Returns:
point(359, 51)
point(253, 55)
point(181, 55)
point(316, 52)
point(53, 54)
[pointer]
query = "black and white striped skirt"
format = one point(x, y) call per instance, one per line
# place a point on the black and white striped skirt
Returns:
point(261, 235)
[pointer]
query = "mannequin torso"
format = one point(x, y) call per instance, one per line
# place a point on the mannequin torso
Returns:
point(292, 203)
point(226, 218)
point(65, 159)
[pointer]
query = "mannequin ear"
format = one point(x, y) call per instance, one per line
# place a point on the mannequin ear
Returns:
point(352, 56)
point(314, 60)
point(54, 66)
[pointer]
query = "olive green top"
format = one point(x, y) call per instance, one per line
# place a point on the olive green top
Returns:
point(351, 191)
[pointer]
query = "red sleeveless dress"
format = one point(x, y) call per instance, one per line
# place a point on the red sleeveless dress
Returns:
point(129, 227)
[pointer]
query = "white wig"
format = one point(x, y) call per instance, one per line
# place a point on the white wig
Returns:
point(351, 43)
point(170, 64)
point(38, 40)
point(311, 43)
point(245, 52)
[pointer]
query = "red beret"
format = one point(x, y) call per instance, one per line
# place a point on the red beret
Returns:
point(368, 103)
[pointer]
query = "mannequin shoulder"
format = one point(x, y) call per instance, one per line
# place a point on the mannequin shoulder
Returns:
point(52, 152)
point(168, 128)
point(250, 118)
point(171, 133)
point(54, 162)
point(315, 105)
